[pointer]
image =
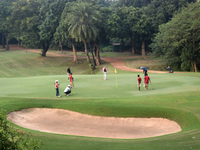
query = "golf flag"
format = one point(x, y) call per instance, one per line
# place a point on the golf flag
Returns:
point(116, 77)
point(115, 70)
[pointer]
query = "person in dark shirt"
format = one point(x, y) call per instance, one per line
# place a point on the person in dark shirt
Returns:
point(68, 72)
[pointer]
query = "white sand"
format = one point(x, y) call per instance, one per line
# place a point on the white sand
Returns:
point(72, 123)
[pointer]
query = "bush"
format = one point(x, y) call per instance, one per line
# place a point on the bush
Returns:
point(107, 48)
point(12, 139)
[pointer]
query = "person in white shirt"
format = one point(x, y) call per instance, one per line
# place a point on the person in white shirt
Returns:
point(67, 90)
point(105, 72)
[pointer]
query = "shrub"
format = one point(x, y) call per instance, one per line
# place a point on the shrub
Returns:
point(12, 139)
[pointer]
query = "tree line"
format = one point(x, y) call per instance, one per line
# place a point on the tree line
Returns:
point(140, 26)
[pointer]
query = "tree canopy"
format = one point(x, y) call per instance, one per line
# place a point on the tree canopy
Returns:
point(179, 40)
point(96, 24)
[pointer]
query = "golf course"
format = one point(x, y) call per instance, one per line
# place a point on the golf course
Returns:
point(27, 81)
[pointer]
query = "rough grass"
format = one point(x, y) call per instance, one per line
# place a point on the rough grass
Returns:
point(175, 96)
point(24, 63)
point(102, 54)
point(151, 63)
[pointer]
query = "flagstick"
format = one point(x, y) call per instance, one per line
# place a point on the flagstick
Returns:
point(116, 77)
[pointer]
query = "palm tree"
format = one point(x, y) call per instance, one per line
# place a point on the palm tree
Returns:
point(82, 21)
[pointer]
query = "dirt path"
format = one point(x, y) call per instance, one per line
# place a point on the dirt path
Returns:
point(117, 62)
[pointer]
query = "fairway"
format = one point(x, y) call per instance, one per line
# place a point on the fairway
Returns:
point(175, 97)
point(171, 96)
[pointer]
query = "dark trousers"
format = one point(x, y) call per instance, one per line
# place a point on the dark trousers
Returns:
point(145, 72)
point(67, 92)
point(57, 92)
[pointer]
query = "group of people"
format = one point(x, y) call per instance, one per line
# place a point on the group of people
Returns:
point(146, 79)
point(67, 90)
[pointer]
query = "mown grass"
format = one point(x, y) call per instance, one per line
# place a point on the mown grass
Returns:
point(175, 96)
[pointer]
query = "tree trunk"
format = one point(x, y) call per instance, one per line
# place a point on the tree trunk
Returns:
point(45, 48)
point(44, 51)
point(92, 55)
point(60, 45)
point(97, 56)
point(7, 45)
point(74, 51)
point(143, 49)
point(133, 50)
point(86, 52)
point(195, 65)
point(3, 42)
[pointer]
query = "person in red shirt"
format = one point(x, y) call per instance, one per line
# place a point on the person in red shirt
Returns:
point(139, 82)
point(146, 81)
point(71, 79)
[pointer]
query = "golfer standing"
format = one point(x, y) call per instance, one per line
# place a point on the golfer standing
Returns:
point(71, 79)
point(139, 82)
point(105, 72)
point(57, 88)
point(146, 81)
point(68, 72)
point(144, 70)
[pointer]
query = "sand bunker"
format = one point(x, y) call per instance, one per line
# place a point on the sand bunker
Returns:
point(73, 123)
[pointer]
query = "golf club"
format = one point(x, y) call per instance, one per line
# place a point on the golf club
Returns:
point(152, 86)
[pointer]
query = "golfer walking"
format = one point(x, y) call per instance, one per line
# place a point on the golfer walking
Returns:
point(105, 72)
point(146, 81)
point(139, 82)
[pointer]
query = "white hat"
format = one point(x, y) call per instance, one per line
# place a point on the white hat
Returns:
point(68, 85)
point(56, 81)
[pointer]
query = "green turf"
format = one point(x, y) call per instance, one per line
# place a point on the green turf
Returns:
point(175, 96)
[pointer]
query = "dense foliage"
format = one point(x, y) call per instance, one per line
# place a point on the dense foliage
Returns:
point(91, 24)
point(11, 139)
point(178, 41)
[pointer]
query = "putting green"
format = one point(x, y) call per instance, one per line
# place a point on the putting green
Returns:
point(93, 86)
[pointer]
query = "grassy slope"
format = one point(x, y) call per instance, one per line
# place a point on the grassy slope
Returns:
point(176, 96)
point(150, 63)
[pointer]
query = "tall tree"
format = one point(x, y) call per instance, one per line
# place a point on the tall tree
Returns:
point(161, 11)
point(37, 20)
point(62, 33)
point(140, 26)
point(82, 21)
point(50, 13)
point(5, 12)
point(179, 41)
